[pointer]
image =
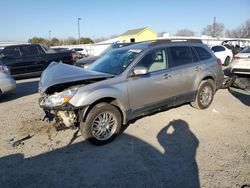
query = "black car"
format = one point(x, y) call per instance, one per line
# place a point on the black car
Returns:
point(85, 62)
point(31, 59)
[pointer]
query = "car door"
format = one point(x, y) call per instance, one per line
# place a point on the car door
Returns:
point(186, 66)
point(11, 56)
point(152, 90)
point(31, 58)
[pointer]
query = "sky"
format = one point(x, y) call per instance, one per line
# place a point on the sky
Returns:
point(24, 19)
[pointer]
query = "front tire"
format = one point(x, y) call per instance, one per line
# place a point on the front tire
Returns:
point(102, 124)
point(205, 95)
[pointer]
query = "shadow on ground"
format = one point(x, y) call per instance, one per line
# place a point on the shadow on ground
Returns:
point(242, 95)
point(22, 89)
point(126, 162)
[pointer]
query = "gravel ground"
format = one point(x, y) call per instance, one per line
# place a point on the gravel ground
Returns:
point(181, 147)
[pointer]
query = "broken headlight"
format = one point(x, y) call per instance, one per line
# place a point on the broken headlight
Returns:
point(59, 98)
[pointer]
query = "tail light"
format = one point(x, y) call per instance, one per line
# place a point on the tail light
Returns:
point(71, 56)
point(219, 62)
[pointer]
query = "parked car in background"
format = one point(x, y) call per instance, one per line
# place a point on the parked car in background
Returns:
point(7, 83)
point(75, 52)
point(223, 53)
point(129, 82)
point(236, 45)
point(239, 73)
point(31, 59)
point(85, 62)
point(82, 51)
point(241, 62)
point(241, 69)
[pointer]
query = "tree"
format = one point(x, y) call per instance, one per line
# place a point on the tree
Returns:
point(55, 42)
point(185, 33)
point(214, 30)
point(38, 40)
point(242, 31)
point(100, 39)
point(86, 40)
point(70, 41)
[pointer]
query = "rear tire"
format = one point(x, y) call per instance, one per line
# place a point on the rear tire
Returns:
point(205, 95)
point(102, 124)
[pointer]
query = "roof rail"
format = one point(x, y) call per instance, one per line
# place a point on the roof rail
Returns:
point(162, 41)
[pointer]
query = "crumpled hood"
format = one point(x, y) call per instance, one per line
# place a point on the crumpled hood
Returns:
point(60, 73)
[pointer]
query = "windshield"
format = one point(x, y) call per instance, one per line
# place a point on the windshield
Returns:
point(246, 50)
point(114, 62)
point(107, 50)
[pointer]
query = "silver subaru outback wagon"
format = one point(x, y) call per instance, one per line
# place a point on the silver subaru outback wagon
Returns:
point(127, 83)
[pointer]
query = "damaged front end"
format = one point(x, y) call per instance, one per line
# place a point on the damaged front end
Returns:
point(57, 106)
point(58, 85)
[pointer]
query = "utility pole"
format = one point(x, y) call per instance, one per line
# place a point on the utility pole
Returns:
point(49, 34)
point(79, 35)
point(214, 27)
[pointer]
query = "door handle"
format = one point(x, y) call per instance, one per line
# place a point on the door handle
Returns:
point(166, 76)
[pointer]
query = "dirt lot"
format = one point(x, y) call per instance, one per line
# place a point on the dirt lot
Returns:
point(181, 147)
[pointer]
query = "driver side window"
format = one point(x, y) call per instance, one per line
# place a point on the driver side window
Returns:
point(155, 60)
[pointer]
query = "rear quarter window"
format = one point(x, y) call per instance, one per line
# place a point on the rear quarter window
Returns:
point(202, 53)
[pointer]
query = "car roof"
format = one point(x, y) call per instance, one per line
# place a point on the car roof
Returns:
point(153, 43)
point(17, 45)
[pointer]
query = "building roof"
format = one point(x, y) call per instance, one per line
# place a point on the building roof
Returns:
point(133, 31)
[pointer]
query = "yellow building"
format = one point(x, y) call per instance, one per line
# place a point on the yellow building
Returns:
point(138, 35)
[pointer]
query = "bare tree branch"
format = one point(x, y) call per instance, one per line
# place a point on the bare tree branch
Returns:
point(214, 30)
point(185, 33)
point(242, 31)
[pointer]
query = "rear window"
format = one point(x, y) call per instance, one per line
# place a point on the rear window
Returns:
point(203, 53)
point(218, 49)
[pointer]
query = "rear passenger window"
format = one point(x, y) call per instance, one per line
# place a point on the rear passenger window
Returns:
point(181, 55)
point(29, 51)
point(12, 52)
point(203, 53)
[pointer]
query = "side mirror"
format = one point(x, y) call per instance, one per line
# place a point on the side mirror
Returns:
point(140, 70)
